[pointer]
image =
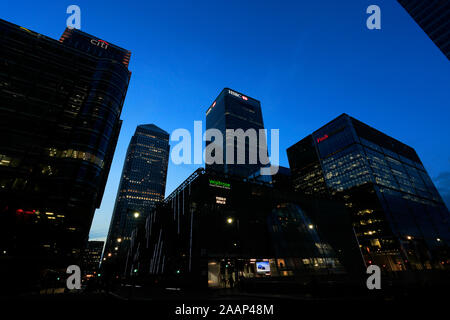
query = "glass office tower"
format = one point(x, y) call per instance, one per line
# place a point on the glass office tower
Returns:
point(398, 215)
point(433, 17)
point(59, 122)
point(142, 185)
point(233, 110)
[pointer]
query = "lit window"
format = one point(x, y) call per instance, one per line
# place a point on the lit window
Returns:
point(221, 200)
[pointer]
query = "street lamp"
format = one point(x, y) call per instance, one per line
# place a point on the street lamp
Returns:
point(136, 214)
point(230, 220)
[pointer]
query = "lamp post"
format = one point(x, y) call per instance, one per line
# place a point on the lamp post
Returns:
point(235, 248)
point(133, 217)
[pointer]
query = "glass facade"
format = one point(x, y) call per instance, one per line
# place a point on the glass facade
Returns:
point(306, 171)
point(399, 217)
point(59, 124)
point(142, 185)
point(233, 110)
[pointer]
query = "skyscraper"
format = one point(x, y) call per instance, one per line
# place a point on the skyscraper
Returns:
point(59, 122)
point(142, 185)
point(433, 17)
point(233, 111)
point(398, 215)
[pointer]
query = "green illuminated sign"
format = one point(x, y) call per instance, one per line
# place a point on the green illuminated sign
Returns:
point(220, 184)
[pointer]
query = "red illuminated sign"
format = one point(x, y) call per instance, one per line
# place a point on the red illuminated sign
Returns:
point(324, 137)
point(245, 98)
point(100, 43)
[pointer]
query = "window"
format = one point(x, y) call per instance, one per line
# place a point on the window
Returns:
point(221, 200)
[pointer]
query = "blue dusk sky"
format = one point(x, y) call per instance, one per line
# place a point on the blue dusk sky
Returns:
point(306, 61)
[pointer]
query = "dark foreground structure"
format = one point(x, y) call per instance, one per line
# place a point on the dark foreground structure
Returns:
point(59, 122)
point(221, 231)
point(433, 17)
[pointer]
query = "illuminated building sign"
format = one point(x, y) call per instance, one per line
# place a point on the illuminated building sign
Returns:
point(219, 184)
point(100, 43)
point(84, 42)
point(324, 137)
point(233, 93)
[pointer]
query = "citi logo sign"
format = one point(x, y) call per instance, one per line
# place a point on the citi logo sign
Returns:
point(100, 43)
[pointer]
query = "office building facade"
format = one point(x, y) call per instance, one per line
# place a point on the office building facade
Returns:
point(214, 230)
point(59, 122)
point(142, 185)
point(398, 215)
point(235, 111)
point(91, 257)
point(433, 17)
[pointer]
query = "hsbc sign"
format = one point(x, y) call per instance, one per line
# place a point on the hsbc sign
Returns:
point(100, 43)
point(237, 95)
